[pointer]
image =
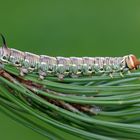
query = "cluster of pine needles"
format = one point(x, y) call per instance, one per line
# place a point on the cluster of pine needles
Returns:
point(84, 108)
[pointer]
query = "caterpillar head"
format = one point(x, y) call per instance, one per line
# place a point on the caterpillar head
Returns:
point(132, 62)
point(4, 51)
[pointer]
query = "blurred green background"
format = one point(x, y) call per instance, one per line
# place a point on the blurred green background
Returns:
point(68, 28)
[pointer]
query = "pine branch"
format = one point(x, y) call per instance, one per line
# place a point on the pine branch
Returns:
point(97, 107)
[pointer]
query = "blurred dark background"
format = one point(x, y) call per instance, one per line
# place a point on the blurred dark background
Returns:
point(68, 28)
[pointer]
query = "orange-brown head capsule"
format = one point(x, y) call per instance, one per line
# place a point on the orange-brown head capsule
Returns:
point(132, 62)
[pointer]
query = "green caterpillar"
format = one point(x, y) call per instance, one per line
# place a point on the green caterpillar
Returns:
point(64, 66)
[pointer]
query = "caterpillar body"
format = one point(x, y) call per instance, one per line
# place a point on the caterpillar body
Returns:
point(63, 66)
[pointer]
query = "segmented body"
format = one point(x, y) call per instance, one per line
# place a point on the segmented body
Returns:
point(64, 66)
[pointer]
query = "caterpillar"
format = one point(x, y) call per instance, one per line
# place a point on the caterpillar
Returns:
point(62, 67)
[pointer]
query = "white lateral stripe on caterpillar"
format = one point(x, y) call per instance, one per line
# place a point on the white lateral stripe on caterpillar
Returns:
point(63, 66)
